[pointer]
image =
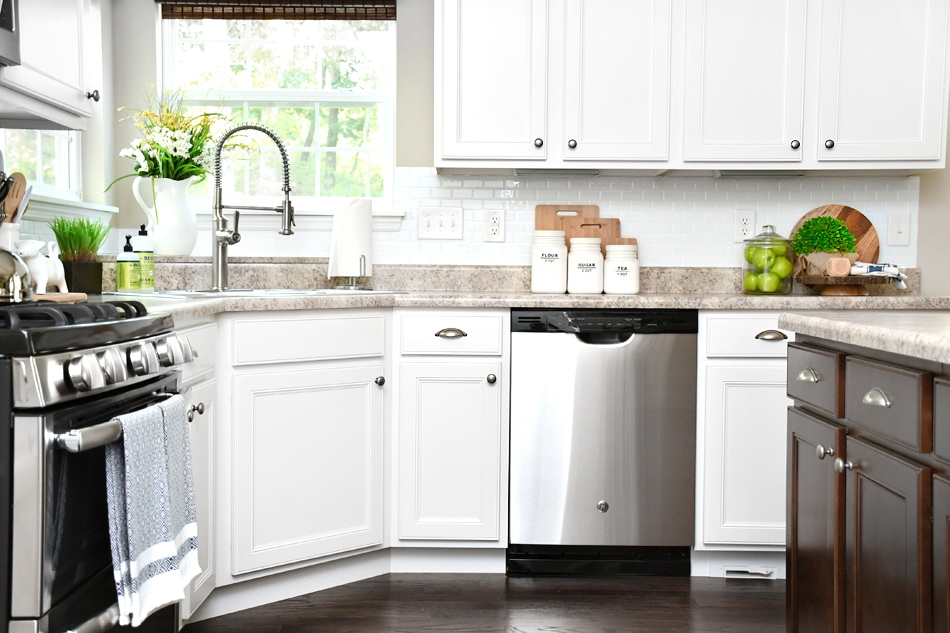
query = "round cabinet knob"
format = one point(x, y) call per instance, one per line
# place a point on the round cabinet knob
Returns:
point(829, 144)
point(795, 144)
point(94, 95)
point(196, 408)
point(380, 380)
point(538, 142)
point(841, 465)
point(143, 359)
point(602, 506)
point(491, 379)
point(572, 143)
point(84, 373)
point(113, 366)
point(821, 451)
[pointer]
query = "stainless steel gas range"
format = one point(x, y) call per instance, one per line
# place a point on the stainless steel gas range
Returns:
point(66, 371)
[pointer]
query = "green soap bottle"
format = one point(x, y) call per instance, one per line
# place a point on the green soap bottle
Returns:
point(128, 273)
point(143, 247)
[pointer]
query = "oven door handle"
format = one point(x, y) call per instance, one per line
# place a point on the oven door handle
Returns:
point(79, 440)
point(105, 621)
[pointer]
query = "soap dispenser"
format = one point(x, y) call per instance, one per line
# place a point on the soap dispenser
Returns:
point(143, 246)
point(128, 270)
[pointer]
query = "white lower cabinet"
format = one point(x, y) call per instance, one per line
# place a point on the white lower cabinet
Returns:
point(452, 426)
point(741, 420)
point(307, 435)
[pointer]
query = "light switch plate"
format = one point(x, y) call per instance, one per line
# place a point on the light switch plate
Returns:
point(440, 223)
point(898, 229)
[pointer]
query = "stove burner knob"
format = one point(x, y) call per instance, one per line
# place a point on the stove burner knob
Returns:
point(169, 351)
point(143, 359)
point(113, 366)
point(84, 373)
point(189, 353)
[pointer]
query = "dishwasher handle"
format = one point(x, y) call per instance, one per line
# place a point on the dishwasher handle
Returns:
point(604, 338)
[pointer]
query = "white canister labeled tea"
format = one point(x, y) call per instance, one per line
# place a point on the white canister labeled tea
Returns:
point(621, 270)
point(585, 266)
point(549, 262)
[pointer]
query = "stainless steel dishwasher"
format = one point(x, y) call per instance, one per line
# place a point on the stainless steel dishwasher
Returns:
point(603, 441)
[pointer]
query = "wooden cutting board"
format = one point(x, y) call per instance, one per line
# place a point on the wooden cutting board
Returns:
point(61, 297)
point(607, 229)
point(550, 217)
point(867, 244)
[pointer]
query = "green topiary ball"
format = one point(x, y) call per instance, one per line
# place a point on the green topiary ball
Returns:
point(823, 234)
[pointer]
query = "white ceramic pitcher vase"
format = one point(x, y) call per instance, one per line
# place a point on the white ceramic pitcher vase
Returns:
point(172, 223)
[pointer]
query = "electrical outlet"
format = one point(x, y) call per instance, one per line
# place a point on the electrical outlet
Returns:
point(495, 225)
point(898, 229)
point(745, 224)
point(440, 223)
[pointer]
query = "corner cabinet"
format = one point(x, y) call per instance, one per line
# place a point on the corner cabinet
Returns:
point(452, 431)
point(56, 83)
point(741, 433)
point(307, 434)
point(512, 91)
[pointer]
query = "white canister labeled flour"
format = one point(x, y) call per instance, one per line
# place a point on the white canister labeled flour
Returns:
point(549, 262)
point(585, 266)
point(621, 270)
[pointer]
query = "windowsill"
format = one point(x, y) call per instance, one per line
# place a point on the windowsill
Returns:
point(44, 208)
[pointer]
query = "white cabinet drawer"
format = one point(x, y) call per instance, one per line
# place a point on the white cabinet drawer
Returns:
point(445, 333)
point(307, 338)
point(204, 341)
point(747, 335)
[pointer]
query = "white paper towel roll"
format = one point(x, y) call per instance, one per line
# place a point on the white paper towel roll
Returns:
point(351, 243)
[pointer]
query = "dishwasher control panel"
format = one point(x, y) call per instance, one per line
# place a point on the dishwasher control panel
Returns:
point(619, 321)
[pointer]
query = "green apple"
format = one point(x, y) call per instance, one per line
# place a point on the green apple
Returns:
point(750, 252)
point(781, 267)
point(751, 281)
point(763, 259)
point(769, 282)
point(779, 249)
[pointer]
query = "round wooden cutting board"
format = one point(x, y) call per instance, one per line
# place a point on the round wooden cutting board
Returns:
point(867, 244)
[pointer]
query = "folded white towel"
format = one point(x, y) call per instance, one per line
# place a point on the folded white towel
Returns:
point(152, 521)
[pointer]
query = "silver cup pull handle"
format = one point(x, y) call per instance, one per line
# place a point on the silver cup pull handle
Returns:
point(809, 375)
point(876, 398)
point(451, 332)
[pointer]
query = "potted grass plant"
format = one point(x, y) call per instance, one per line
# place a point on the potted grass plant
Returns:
point(79, 240)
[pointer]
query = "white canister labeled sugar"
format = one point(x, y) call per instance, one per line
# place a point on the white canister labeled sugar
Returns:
point(549, 262)
point(621, 269)
point(585, 266)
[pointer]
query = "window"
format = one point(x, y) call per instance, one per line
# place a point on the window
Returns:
point(48, 159)
point(324, 87)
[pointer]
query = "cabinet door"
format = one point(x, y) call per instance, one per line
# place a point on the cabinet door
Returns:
point(617, 80)
point(307, 464)
point(815, 531)
point(744, 471)
point(201, 430)
point(492, 68)
point(744, 77)
point(941, 555)
point(888, 542)
point(53, 47)
point(450, 447)
point(882, 86)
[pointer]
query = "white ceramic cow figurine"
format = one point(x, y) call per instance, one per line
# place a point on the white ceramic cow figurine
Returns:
point(44, 270)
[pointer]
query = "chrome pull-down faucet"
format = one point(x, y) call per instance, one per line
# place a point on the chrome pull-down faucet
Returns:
point(221, 235)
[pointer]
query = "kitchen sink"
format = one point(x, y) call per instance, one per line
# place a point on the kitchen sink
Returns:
point(273, 292)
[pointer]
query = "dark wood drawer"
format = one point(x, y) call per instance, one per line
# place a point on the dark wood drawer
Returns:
point(893, 401)
point(942, 419)
point(816, 377)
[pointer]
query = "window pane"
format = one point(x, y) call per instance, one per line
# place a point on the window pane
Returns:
point(355, 174)
point(45, 157)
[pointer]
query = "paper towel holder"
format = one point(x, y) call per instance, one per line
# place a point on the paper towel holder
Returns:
point(352, 283)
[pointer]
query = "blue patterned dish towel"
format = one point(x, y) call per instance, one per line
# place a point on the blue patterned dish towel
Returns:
point(151, 498)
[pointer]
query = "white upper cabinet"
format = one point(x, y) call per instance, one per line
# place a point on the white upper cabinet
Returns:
point(59, 46)
point(494, 79)
point(882, 85)
point(666, 85)
point(744, 78)
point(616, 80)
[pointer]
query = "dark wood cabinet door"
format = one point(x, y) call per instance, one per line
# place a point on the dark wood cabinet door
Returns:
point(889, 532)
point(941, 555)
point(815, 526)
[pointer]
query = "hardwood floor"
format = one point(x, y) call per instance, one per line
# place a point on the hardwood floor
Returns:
point(480, 603)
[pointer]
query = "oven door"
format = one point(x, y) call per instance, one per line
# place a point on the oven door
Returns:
point(60, 552)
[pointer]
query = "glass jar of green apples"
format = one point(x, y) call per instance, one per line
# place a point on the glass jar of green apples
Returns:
point(767, 263)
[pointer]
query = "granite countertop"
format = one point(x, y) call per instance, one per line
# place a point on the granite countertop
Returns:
point(917, 333)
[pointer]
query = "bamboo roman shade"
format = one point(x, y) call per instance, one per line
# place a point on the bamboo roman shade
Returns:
point(278, 9)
